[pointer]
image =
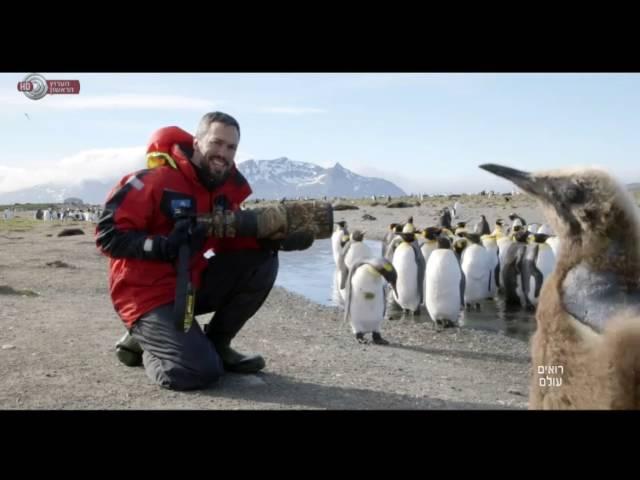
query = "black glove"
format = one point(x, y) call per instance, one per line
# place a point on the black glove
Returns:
point(294, 241)
point(184, 231)
point(300, 240)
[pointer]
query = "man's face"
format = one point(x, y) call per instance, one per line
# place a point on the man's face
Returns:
point(215, 151)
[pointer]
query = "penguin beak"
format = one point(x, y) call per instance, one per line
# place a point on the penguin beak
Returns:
point(524, 180)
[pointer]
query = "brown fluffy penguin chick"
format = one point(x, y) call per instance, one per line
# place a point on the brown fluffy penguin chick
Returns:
point(586, 348)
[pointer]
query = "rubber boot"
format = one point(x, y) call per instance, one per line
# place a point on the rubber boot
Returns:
point(129, 351)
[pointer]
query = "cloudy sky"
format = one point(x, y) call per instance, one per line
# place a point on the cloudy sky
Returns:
point(425, 132)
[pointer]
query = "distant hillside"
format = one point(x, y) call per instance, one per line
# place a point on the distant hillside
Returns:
point(269, 179)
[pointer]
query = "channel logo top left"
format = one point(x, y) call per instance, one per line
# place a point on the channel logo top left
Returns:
point(35, 86)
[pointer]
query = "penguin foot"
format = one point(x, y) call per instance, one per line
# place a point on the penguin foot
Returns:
point(378, 340)
point(439, 324)
point(443, 323)
point(360, 338)
point(477, 307)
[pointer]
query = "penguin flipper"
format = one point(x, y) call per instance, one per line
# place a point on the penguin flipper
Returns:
point(463, 284)
point(539, 278)
point(422, 267)
point(347, 307)
point(392, 248)
point(523, 267)
point(342, 266)
point(344, 273)
point(384, 301)
point(491, 273)
point(594, 297)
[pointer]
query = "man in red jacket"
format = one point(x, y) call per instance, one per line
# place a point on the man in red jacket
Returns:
point(141, 230)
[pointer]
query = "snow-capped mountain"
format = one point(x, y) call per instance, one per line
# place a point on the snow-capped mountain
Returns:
point(89, 191)
point(283, 177)
point(269, 179)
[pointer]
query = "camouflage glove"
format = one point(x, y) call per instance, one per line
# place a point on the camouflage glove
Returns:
point(295, 223)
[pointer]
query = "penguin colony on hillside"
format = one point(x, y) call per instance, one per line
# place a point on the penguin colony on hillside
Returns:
point(441, 268)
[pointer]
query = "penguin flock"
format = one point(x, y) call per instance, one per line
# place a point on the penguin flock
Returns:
point(585, 351)
point(579, 273)
point(441, 269)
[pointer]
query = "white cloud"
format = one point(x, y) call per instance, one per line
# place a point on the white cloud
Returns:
point(109, 164)
point(292, 110)
point(102, 165)
point(110, 102)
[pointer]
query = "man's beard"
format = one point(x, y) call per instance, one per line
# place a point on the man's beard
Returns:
point(211, 179)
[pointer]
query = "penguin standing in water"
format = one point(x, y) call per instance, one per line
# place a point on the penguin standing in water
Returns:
point(586, 348)
point(354, 251)
point(338, 239)
point(444, 292)
point(365, 298)
point(410, 267)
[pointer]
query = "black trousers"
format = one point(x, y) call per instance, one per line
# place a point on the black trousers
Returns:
point(234, 286)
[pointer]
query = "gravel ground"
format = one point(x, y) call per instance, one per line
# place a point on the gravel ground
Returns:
point(58, 347)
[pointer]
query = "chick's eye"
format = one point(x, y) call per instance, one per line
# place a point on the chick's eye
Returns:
point(574, 194)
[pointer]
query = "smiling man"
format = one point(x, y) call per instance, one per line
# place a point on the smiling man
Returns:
point(147, 221)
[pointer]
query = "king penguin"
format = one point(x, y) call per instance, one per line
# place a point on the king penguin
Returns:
point(444, 292)
point(338, 239)
point(513, 273)
point(489, 242)
point(410, 267)
point(539, 262)
point(476, 268)
point(365, 298)
point(586, 348)
point(354, 251)
point(430, 243)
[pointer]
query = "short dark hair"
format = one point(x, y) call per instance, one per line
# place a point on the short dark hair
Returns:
point(211, 117)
